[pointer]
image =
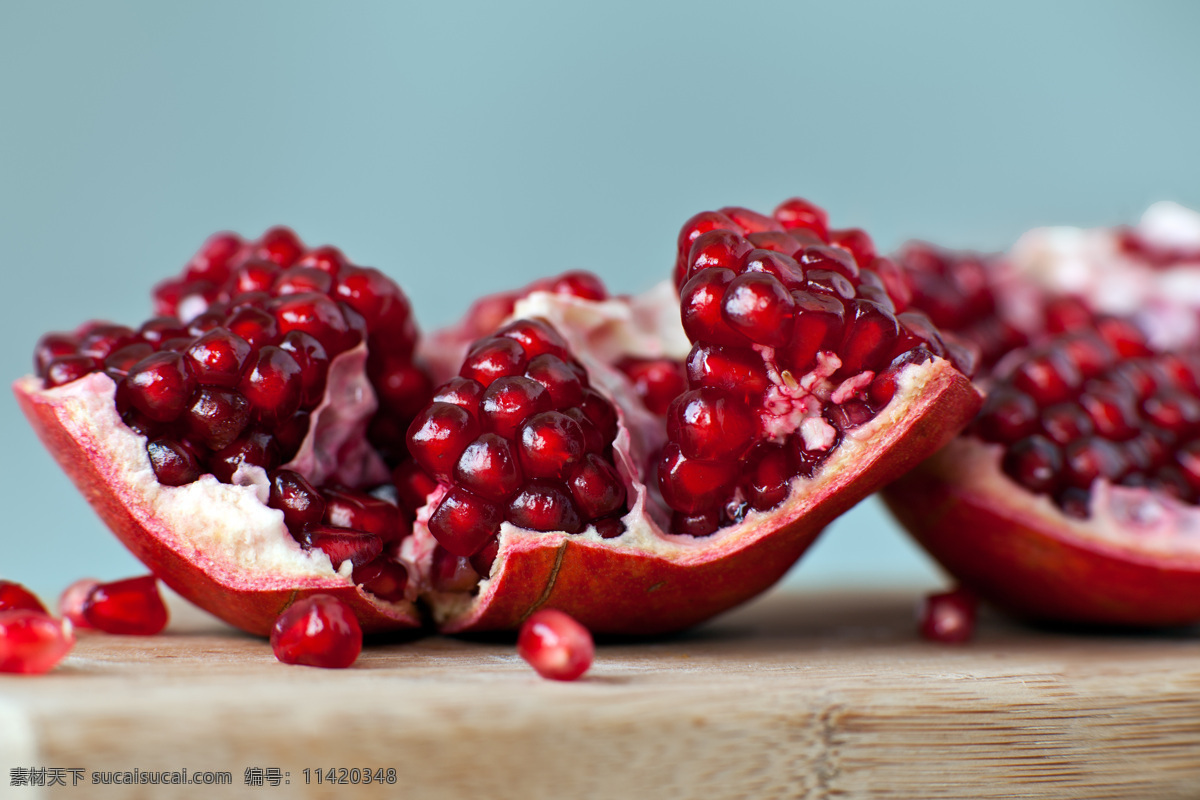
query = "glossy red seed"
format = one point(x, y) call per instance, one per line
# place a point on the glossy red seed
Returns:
point(547, 443)
point(50, 347)
point(1066, 422)
point(702, 300)
point(1035, 462)
point(160, 386)
point(173, 464)
point(826, 265)
point(255, 326)
point(298, 280)
point(482, 561)
point(312, 358)
point(737, 370)
point(849, 415)
point(693, 486)
point(595, 486)
point(555, 645)
point(536, 337)
point(562, 382)
point(217, 358)
point(770, 478)
point(463, 522)
point(326, 258)
point(72, 600)
point(657, 381)
point(451, 573)
point(1113, 414)
point(216, 417)
point(438, 436)
point(819, 325)
point(782, 267)
point(1007, 415)
point(66, 369)
point(318, 316)
point(14, 596)
point(120, 362)
point(704, 523)
point(413, 485)
point(494, 358)
point(717, 249)
point(751, 221)
point(778, 242)
point(600, 413)
point(462, 392)
point(212, 261)
point(317, 631)
point(1087, 460)
point(1174, 411)
point(341, 544)
point(272, 384)
point(157, 330)
point(1048, 378)
point(544, 506)
point(104, 339)
point(798, 214)
point(489, 468)
point(869, 338)
point(31, 642)
point(298, 499)
point(758, 306)
point(697, 225)
point(385, 578)
point(130, 606)
point(857, 242)
point(711, 424)
point(254, 448)
point(351, 508)
point(580, 283)
point(256, 275)
point(509, 401)
point(279, 245)
point(947, 617)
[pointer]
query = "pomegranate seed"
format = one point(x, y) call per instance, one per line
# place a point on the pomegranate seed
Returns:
point(798, 214)
point(698, 225)
point(159, 386)
point(948, 617)
point(131, 606)
point(1065, 422)
point(702, 301)
point(751, 221)
point(1007, 416)
point(1174, 411)
point(509, 401)
point(759, 306)
point(1112, 414)
point(384, 578)
point(600, 413)
point(857, 242)
point(869, 338)
point(733, 369)
point(104, 339)
point(217, 358)
point(341, 544)
point(280, 246)
point(299, 500)
point(705, 523)
point(710, 424)
point(494, 358)
point(1085, 460)
point(770, 481)
point(849, 415)
point(536, 338)
point(50, 347)
point(31, 642)
point(318, 316)
point(327, 259)
point(693, 486)
point(173, 464)
point(402, 387)
point(581, 284)
point(438, 436)
point(413, 485)
point(1035, 463)
point(464, 522)
point(350, 508)
point(563, 384)
point(272, 384)
point(253, 448)
point(73, 599)
point(595, 486)
point(462, 392)
point(212, 262)
point(609, 527)
point(483, 561)
point(299, 280)
point(216, 417)
point(317, 631)
point(777, 242)
point(120, 362)
point(488, 467)
point(14, 596)
point(548, 443)
point(819, 325)
point(831, 267)
point(717, 249)
point(544, 506)
point(555, 645)
point(657, 381)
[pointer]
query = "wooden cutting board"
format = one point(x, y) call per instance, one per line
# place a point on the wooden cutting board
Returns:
point(799, 695)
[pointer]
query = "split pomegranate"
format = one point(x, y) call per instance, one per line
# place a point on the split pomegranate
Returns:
point(947, 617)
point(555, 645)
point(131, 606)
point(1073, 495)
point(32, 642)
point(318, 631)
point(634, 466)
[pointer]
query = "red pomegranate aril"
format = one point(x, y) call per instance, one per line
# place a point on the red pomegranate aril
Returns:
point(819, 323)
point(14, 596)
point(413, 484)
point(50, 347)
point(883, 387)
point(312, 358)
point(489, 468)
point(509, 401)
point(1174, 411)
point(849, 415)
point(384, 578)
point(770, 478)
point(253, 448)
point(318, 316)
point(536, 338)
point(562, 382)
point(704, 523)
point(216, 417)
point(609, 527)
point(1112, 415)
point(217, 358)
point(857, 242)
point(1066, 422)
point(131, 606)
point(437, 437)
point(733, 369)
point(464, 522)
point(657, 381)
point(255, 326)
point(317, 631)
point(595, 486)
point(600, 413)
point(32, 642)
point(759, 306)
point(1035, 462)
point(751, 221)
point(157, 330)
point(73, 599)
point(279, 245)
point(869, 338)
point(119, 363)
point(482, 561)
point(711, 424)
point(692, 486)
point(382, 305)
point(494, 358)
point(1123, 336)
point(580, 283)
point(462, 392)
point(173, 464)
point(105, 339)
point(351, 508)
point(701, 308)
point(798, 214)
point(698, 225)
point(402, 387)
point(257, 275)
point(547, 443)
point(555, 645)
point(717, 249)
point(326, 258)
point(828, 282)
point(777, 242)
point(821, 262)
point(1007, 416)
point(1086, 460)
point(544, 506)
point(160, 386)
point(302, 505)
point(593, 440)
point(341, 544)
point(1149, 450)
point(299, 280)
point(780, 266)
point(451, 573)
point(917, 330)
point(272, 383)
point(948, 617)
point(213, 260)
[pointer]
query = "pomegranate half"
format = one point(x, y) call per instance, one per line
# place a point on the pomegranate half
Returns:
point(1073, 496)
point(646, 472)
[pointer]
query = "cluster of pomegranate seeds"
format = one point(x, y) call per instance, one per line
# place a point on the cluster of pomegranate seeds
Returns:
point(798, 334)
point(955, 290)
point(31, 641)
point(489, 313)
point(317, 631)
point(948, 617)
point(132, 606)
point(520, 436)
point(238, 358)
point(555, 645)
point(347, 525)
point(657, 381)
point(1097, 404)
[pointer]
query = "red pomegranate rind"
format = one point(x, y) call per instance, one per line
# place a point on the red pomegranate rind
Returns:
point(1016, 550)
point(74, 422)
point(681, 581)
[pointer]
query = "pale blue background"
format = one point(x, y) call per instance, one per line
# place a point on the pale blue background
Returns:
point(483, 144)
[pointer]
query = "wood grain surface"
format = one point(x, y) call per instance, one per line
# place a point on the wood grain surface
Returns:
point(798, 695)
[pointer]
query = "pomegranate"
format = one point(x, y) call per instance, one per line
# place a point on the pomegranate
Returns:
point(555, 645)
point(1073, 495)
point(318, 631)
point(32, 642)
point(276, 432)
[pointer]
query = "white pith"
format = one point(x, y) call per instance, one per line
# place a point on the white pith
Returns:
point(1132, 521)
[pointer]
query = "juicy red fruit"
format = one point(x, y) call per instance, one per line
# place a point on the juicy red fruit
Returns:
point(318, 631)
point(14, 596)
point(132, 606)
point(555, 645)
point(948, 617)
point(32, 642)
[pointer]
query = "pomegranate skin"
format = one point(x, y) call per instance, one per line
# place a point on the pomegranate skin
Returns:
point(630, 590)
point(1016, 551)
point(66, 425)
